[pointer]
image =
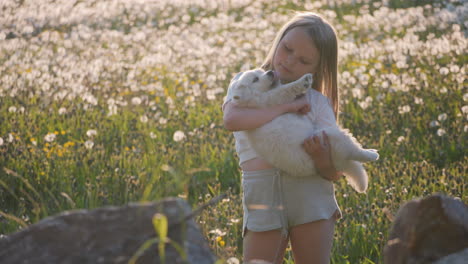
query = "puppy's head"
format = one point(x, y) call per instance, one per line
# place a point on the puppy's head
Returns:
point(252, 82)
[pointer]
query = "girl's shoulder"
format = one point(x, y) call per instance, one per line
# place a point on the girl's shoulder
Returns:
point(316, 97)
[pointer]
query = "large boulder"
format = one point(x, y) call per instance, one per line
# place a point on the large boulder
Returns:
point(429, 230)
point(108, 235)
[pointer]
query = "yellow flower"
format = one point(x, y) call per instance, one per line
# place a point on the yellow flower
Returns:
point(222, 243)
point(68, 144)
point(56, 132)
point(218, 239)
point(63, 132)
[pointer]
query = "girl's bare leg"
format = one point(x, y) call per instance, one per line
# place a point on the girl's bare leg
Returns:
point(312, 242)
point(268, 246)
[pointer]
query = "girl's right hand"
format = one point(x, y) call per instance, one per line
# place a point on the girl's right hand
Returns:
point(299, 106)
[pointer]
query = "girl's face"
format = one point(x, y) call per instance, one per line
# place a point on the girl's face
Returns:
point(295, 55)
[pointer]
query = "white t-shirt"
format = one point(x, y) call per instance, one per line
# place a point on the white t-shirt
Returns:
point(321, 114)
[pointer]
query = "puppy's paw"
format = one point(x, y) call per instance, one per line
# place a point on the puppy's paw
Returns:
point(307, 80)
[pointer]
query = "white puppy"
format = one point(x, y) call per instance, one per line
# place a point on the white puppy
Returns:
point(280, 141)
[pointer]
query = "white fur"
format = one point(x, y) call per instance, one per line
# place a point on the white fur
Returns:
point(280, 141)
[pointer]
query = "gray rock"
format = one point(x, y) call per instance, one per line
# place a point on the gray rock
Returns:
point(107, 235)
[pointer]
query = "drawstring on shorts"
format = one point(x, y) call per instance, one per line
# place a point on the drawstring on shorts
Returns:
point(279, 205)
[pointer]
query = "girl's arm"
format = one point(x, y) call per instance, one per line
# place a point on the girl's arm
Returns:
point(321, 154)
point(237, 118)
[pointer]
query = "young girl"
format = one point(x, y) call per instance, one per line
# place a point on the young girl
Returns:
point(279, 208)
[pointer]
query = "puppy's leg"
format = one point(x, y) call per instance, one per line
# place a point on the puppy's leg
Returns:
point(288, 92)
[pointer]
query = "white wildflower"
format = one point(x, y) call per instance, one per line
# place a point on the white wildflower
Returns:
point(418, 100)
point(217, 232)
point(454, 68)
point(178, 136)
point(444, 70)
point(442, 117)
point(152, 135)
point(162, 120)
point(144, 119)
point(465, 109)
point(441, 132)
point(232, 260)
point(465, 97)
point(112, 110)
point(89, 144)
point(62, 111)
point(1, 141)
point(91, 133)
point(404, 109)
point(12, 109)
point(400, 139)
point(50, 137)
point(434, 123)
point(136, 100)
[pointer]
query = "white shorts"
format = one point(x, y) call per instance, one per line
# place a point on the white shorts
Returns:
point(272, 200)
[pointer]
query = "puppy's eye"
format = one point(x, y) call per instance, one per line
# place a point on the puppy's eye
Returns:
point(255, 79)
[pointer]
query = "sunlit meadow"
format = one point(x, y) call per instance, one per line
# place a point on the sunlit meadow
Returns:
point(117, 101)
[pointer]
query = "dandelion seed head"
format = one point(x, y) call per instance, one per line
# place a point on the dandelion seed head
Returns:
point(89, 144)
point(91, 133)
point(50, 137)
point(136, 101)
point(217, 232)
point(400, 139)
point(62, 111)
point(454, 68)
point(442, 117)
point(434, 123)
point(441, 132)
point(12, 109)
point(418, 100)
point(178, 136)
point(464, 109)
point(404, 109)
point(232, 260)
point(144, 119)
point(162, 121)
point(444, 71)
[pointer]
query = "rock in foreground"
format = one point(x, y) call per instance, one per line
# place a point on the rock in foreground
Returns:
point(107, 235)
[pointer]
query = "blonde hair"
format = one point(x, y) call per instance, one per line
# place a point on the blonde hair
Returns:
point(324, 37)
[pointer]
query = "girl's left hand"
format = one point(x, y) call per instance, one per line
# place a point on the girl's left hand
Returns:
point(320, 152)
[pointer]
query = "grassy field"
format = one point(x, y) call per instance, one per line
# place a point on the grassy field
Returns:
point(110, 102)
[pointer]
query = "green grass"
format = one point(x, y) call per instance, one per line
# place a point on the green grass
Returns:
point(134, 156)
